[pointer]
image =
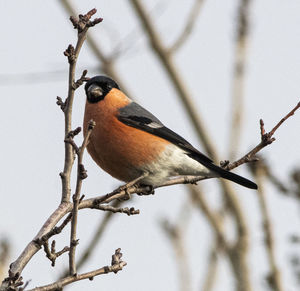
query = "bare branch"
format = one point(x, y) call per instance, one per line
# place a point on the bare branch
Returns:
point(52, 255)
point(54, 231)
point(95, 239)
point(128, 211)
point(116, 266)
point(107, 66)
point(292, 112)
point(81, 174)
point(82, 25)
point(266, 139)
point(81, 80)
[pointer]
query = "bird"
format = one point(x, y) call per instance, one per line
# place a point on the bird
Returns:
point(134, 146)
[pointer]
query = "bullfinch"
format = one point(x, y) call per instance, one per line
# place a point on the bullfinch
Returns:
point(131, 144)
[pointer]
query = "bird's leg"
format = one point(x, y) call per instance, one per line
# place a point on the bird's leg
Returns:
point(130, 184)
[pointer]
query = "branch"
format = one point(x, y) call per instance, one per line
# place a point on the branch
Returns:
point(51, 254)
point(107, 63)
point(54, 231)
point(126, 210)
point(116, 265)
point(266, 139)
point(95, 239)
point(81, 174)
point(82, 25)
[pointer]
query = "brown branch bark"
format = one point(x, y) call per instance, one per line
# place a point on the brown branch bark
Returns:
point(116, 266)
point(100, 229)
point(266, 139)
point(82, 26)
point(81, 174)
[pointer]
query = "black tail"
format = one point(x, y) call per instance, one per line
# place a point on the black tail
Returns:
point(226, 174)
point(232, 177)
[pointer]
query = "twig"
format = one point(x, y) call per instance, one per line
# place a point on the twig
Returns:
point(266, 139)
point(52, 255)
point(82, 25)
point(54, 231)
point(81, 174)
point(107, 63)
point(17, 266)
point(188, 28)
point(81, 80)
point(94, 240)
point(116, 266)
point(126, 210)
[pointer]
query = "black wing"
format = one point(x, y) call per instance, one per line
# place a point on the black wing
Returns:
point(136, 116)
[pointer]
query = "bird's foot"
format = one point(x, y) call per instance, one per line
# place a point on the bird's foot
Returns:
point(146, 190)
point(132, 184)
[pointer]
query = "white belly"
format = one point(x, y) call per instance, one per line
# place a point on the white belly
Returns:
point(173, 162)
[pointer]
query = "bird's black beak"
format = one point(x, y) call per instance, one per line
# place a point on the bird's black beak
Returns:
point(95, 91)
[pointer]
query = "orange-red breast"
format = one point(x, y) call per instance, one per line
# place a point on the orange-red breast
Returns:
point(129, 142)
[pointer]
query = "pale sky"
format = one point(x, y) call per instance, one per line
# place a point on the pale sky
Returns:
point(34, 36)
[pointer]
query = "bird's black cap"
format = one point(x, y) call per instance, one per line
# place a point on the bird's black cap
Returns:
point(102, 81)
